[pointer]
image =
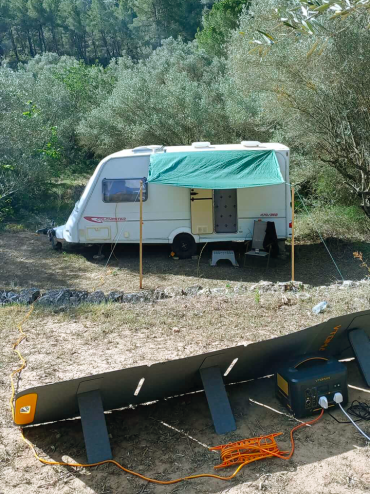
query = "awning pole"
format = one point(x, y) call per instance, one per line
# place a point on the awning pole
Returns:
point(292, 233)
point(141, 234)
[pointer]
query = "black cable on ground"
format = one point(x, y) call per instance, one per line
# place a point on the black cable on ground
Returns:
point(357, 409)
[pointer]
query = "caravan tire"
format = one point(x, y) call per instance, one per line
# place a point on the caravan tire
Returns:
point(184, 246)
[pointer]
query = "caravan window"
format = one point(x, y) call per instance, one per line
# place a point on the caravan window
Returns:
point(124, 189)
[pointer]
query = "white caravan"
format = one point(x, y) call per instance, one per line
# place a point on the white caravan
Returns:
point(109, 208)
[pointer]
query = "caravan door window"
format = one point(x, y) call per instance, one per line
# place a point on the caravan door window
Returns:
point(124, 189)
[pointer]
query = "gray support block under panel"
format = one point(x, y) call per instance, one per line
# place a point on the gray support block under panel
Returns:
point(94, 427)
point(218, 402)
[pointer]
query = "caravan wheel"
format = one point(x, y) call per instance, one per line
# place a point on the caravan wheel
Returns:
point(184, 246)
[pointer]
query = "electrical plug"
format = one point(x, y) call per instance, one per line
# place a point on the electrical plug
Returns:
point(323, 402)
point(338, 398)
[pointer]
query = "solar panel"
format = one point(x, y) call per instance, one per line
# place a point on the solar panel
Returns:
point(209, 371)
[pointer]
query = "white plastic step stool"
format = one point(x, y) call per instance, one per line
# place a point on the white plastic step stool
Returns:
point(228, 255)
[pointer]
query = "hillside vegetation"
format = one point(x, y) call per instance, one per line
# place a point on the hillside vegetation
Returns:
point(80, 80)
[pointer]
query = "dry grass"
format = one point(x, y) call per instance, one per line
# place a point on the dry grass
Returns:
point(66, 345)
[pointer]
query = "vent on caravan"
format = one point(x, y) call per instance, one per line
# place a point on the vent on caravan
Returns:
point(198, 145)
point(154, 148)
point(250, 144)
point(202, 229)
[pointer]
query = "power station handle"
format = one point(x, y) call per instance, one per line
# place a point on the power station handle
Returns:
point(310, 358)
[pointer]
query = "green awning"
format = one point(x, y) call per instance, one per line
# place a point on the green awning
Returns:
point(215, 169)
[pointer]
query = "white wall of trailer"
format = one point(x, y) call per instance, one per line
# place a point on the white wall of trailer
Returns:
point(166, 212)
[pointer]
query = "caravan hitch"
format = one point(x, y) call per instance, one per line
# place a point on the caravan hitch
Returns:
point(46, 230)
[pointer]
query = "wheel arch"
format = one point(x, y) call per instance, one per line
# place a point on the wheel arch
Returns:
point(177, 231)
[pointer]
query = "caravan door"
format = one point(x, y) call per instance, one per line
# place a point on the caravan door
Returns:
point(201, 205)
point(226, 211)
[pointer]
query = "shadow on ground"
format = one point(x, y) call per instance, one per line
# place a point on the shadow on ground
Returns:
point(28, 260)
point(169, 439)
point(312, 263)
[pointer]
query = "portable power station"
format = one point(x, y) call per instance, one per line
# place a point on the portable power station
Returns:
point(300, 384)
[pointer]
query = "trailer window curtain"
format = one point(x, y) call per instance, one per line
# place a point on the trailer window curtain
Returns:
point(124, 189)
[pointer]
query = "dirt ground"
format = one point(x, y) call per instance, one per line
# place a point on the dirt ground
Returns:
point(170, 438)
point(27, 260)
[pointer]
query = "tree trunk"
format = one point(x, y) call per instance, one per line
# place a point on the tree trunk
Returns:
point(40, 41)
point(55, 42)
point(105, 44)
point(83, 46)
point(365, 202)
point(22, 42)
point(94, 46)
point(14, 46)
point(31, 48)
point(43, 38)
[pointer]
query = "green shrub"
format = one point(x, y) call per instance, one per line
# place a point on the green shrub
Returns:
point(343, 222)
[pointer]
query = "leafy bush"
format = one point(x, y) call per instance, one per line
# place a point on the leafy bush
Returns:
point(177, 96)
point(41, 105)
point(344, 222)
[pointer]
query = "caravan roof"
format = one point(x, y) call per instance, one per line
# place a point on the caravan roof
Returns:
point(145, 150)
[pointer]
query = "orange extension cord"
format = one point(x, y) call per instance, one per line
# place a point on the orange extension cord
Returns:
point(241, 452)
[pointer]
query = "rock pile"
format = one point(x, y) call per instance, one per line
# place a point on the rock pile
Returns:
point(65, 297)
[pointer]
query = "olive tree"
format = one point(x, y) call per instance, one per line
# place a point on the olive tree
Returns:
point(314, 90)
point(177, 96)
point(41, 104)
point(21, 136)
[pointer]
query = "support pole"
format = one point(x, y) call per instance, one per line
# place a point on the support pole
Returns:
point(292, 233)
point(141, 234)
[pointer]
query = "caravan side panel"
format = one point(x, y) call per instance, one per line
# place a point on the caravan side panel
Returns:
point(165, 209)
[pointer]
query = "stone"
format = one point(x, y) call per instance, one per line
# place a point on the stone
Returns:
point(266, 283)
point(347, 284)
point(173, 292)
point(204, 291)
point(240, 289)
point(266, 286)
point(159, 294)
point(176, 330)
point(134, 298)
point(55, 298)
point(303, 296)
point(291, 286)
point(97, 297)
point(11, 298)
point(218, 291)
point(3, 298)
point(115, 296)
point(192, 290)
point(29, 295)
point(78, 297)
